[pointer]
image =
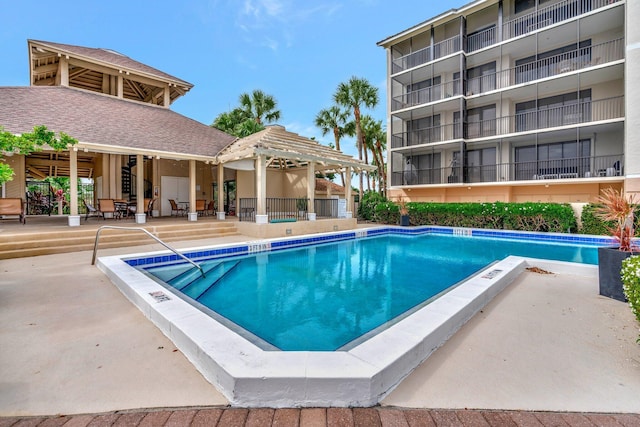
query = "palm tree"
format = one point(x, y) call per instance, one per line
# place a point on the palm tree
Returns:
point(259, 106)
point(374, 139)
point(354, 94)
point(334, 119)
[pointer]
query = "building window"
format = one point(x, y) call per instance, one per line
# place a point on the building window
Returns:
point(560, 110)
point(480, 165)
point(424, 130)
point(421, 169)
point(481, 78)
point(481, 121)
point(425, 91)
point(568, 159)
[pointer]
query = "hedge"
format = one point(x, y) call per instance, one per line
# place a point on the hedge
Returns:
point(550, 217)
point(591, 224)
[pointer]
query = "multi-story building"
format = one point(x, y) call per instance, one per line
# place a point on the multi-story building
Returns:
point(515, 100)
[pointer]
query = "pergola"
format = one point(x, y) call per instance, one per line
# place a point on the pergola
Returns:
point(276, 148)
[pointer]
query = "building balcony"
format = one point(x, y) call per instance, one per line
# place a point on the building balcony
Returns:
point(427, 54)
point(519, 26)
point(557, 65)
point(567, 115)
point(578, 59)
point(568, 169)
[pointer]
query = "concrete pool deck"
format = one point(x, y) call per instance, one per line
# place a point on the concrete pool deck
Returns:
point(70, 343)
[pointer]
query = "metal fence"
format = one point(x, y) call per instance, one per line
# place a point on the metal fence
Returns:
point(287, 208)
point(41, 198)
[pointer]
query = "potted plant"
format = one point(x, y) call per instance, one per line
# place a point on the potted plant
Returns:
point(617, 208)
point(61, 200)
point(404, 212)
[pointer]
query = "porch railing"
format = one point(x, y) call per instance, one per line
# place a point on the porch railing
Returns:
point(566, 115)
point(560, 169)
point(287, 208)
point(426, 95)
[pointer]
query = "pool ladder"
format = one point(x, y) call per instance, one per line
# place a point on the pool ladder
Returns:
point(115, 227)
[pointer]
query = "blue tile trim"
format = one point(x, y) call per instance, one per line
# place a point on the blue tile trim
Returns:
point(277, 245)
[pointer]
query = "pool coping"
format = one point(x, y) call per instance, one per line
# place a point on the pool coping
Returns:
point(249, 376)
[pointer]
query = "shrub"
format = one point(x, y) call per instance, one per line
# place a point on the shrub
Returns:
point(367, 207)
point(387, 213)
point(551, 217)
point(631, 283)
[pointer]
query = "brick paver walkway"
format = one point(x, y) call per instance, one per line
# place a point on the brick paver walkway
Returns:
point(320, 417)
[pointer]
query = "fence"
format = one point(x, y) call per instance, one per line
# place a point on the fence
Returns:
point(287, 208)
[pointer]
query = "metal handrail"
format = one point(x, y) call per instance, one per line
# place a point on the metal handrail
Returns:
point(115, 227)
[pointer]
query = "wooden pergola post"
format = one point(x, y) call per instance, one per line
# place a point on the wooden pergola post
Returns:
point(193, 214)
point(220, 212)
point(74, 218)
point(261, 189)
point(311, 190)
point(140, 207)
point(347, 192)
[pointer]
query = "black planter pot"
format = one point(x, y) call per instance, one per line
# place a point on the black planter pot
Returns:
point(609, 268)
point(404, 220)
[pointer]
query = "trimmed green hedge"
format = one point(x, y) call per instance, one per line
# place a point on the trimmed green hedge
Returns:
point(591, 224)
point(550, 217)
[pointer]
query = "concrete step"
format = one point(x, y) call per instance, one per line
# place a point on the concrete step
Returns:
point(64, 240)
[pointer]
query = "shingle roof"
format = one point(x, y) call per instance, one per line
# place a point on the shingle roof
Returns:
point(96, 119)
point(111, 57)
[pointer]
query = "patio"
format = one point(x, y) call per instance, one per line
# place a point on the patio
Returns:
point(547, 343)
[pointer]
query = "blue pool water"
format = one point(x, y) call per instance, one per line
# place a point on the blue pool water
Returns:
point(323, 297)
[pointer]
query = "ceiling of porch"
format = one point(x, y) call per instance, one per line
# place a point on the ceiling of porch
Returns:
point(40, 165)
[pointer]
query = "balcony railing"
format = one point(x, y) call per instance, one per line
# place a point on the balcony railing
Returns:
point(426, 95)
point(481, 39)
point(427, 135)
point(566, 115)
point(541, 18)
point(287, 208)
point(424, 55)
point(561, 169)
point(549, 15)
point(577, 59)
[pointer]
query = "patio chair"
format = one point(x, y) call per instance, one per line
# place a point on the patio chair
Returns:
point(175, 208)
point(91, 211)
point(108, 206)
point(149, 204)
point(201, 206)
point(211, 208)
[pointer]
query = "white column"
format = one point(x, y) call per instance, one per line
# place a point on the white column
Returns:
point(74, 218)
point(193, 215)
point(166, 102)
point(141, 216)
point(261, 190)
point(347, 193)
point(311, 190)
point(220, 191)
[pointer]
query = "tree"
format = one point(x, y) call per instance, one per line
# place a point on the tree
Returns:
point(374, 140)
point(354, 94)
point(334, 119)
point(27, 143)
point(259, 106)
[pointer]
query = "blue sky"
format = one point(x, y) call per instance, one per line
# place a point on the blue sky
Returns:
point(297, 51)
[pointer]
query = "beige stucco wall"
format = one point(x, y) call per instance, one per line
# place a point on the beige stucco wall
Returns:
point(298, 228)
point(632, 106)
point(584, 192)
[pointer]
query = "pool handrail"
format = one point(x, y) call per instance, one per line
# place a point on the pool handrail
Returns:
point(115, 227)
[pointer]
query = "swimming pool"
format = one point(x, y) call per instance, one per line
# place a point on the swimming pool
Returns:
point(323, 297)
point(358, 376)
